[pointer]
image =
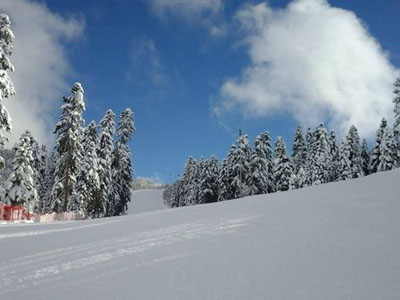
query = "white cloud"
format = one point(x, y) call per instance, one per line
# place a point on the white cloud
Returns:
point(40, 64)
point(313, 61)
point(206, 12)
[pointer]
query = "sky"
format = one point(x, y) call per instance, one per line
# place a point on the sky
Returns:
point(195, 72)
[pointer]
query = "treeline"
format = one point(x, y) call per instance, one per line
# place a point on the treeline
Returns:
point(316, 158)
point(88, 172)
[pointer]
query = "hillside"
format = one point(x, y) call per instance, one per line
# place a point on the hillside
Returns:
point(335, 241)
point(146, 200)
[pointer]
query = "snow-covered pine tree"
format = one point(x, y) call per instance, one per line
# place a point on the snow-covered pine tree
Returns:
point(376, 151)
point(122, 164)
point(39, 154)
point(309, 160)
point(20, 187)
point(355, 156)
point(208, 180)
point(365, 158)
point(49, 177)
point(239, 165)
point(334, 150)
point(223, 181)
point(88, 183)
point(69, 151)
point(389, 158)
point(344, 167)
point(396, 110)
point(104, 154)
point(260, 176)
point(320, 161)
point(190, 181)
point(6, 85)
point(175, 194)
point(283, 167)
point(301, 179)
point(299, 153)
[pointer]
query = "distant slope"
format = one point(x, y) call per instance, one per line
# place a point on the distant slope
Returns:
point(146, 200)
point(335, 241)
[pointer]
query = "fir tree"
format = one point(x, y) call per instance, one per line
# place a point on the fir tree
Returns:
point(69, 151)
point(190, 182)
point(376, 151)
point(344, 167)
point(334, 151)
point(208, 180)
point(388, 149)
point(299, 153)
point(49, 177)
point(223, 181)
point(39, 168)
point(6, 85)
point(396, 110)
point(283, 167)
point(365, 158)
point(239, 167)
point(20, 187)
point(88, 183)
point(104, 154)
point(122, 164)
point(260, 176)
point(320, 162)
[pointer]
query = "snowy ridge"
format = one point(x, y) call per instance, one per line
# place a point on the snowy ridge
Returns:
point(334, 241)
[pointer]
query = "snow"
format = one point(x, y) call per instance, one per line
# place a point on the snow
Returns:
point(146, 200)
point(332, 241)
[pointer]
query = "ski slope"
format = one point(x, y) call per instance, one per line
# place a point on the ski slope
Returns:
point(146, 200)
point(335, 241)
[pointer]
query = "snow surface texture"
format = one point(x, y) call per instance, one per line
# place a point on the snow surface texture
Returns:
point(333, 241)
point(146, 200)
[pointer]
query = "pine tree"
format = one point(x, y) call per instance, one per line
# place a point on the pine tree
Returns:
point(20, 187)
point(344, 167)
point(49, 178)
point(190, 182)
point(104, 154)
point(69, 151)
point(376, 151)
point(365, 158)
point(208, 180)
point(308, 166)
point(388, 149)
point(223, 181)
point(88, 183)
point(320, 161)
point(6, 85)
point(283, 167)
point(299, 153)
point(39, 168)
point(334, 151)
point(355, 158)
point(239, 168)
point(260, 176)
point(396, 110)
point(122, 164)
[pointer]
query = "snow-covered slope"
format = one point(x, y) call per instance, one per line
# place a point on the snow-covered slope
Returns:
point(146, 200)
point(336, 241)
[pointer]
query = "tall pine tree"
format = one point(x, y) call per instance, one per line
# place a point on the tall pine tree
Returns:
point(6, 85)
point(122, 164)
point(283, 167)
point(88, 183)
point(20, 187)
point(69, 151)
point(104, 154)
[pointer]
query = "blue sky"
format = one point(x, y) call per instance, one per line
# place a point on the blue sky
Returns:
point(172, 65)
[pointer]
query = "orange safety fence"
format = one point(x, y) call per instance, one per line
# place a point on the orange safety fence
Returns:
point(13, 212)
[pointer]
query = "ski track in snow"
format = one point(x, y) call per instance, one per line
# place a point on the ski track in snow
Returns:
point(28, 271)
point(41, 232)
